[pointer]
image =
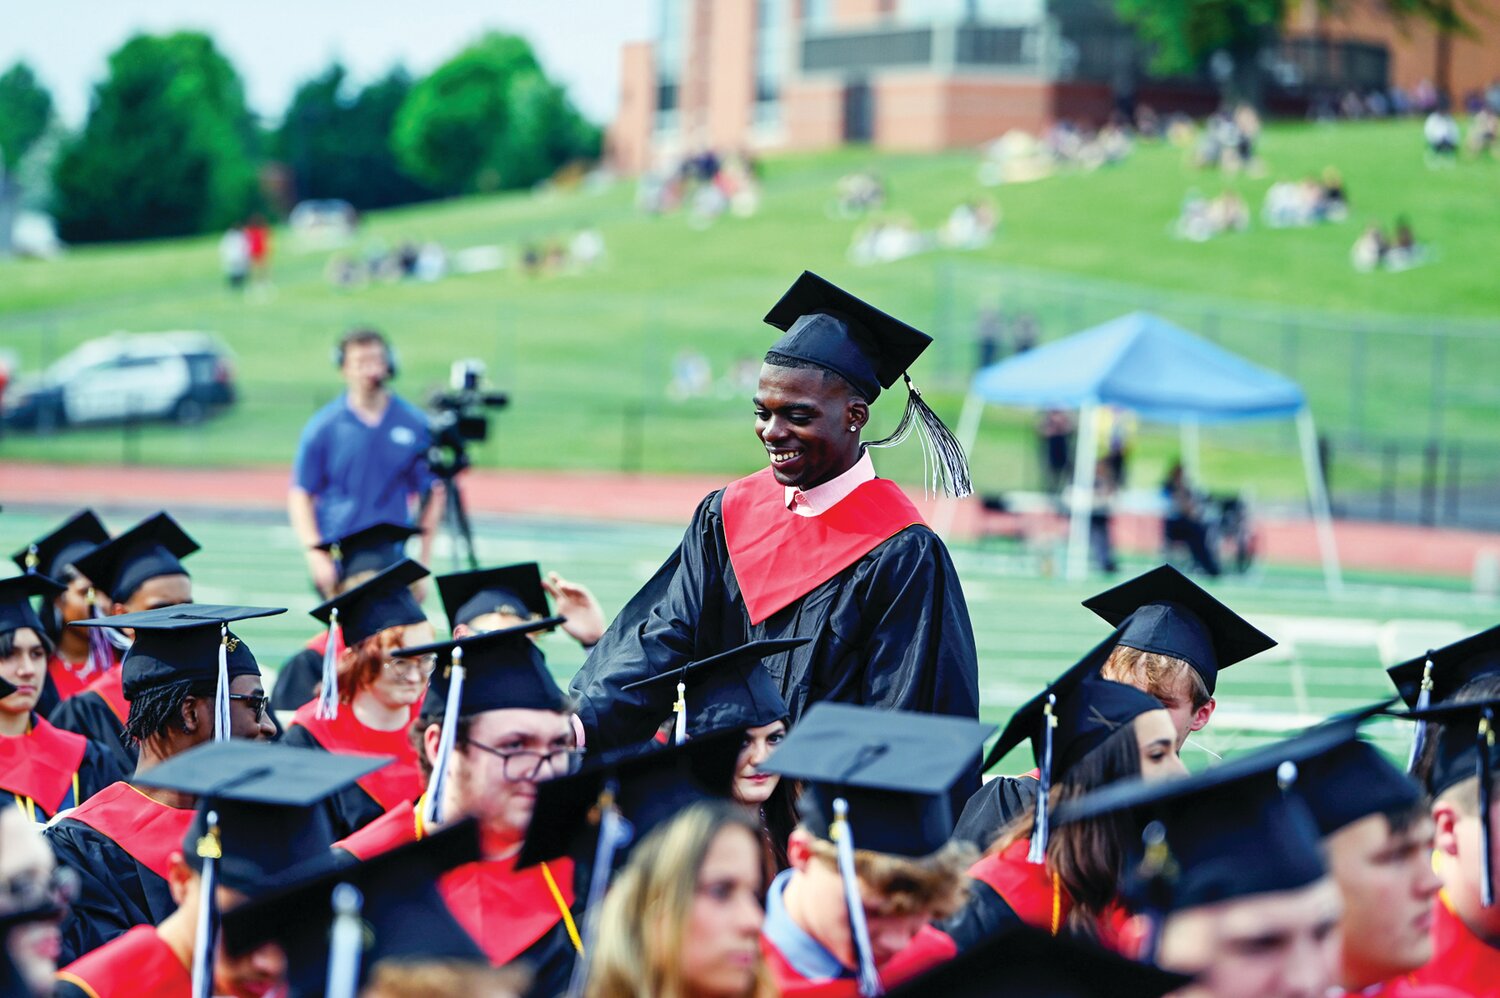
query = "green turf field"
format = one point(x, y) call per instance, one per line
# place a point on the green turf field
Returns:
point(588, 358)
point(1028, 629)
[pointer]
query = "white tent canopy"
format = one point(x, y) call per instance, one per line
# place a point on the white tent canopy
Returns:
point(1163, 373)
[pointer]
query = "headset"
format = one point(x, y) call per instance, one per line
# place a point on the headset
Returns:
point(364, 334)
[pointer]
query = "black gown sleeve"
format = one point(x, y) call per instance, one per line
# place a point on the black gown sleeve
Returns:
point(87, 714)
point(983, 915)
point(296, 680)
point(995, 805)
point(98, 770)
point(49, 699)
point(115, 892)
point(549, 960)
point(350, 809)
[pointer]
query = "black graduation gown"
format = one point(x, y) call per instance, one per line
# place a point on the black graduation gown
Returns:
point(351, 808)
point(891, 630)
point(995, 805)
point(297, 680)
point(88, 714)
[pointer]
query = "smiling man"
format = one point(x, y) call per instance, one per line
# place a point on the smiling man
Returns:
point(814, 545)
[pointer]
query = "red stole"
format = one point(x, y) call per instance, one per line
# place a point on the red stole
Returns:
point(109, 688)
point(137, 963)
point(928, 948)
point(1027, 887)
point(147, 830)
point(65, 678)
point(780, 557)
point(389, 785)
point(1460, 959)
point(506, 910)
point(397, 827)
point(41, 764)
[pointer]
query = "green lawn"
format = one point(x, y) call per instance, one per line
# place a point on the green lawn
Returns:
point(587, 358)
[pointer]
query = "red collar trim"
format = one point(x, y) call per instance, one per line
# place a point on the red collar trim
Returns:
point(41, 764)
point(146, 829)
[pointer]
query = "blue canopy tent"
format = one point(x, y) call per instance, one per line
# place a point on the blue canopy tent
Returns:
point(1163, 373)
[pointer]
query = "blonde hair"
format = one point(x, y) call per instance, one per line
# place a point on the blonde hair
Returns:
point(936, 885)
point(643, 921)
point(1159, 675)
point(444, 979)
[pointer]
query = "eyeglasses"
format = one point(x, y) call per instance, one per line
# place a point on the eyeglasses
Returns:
point(259, 702)
point(524, 765)
point(426, 665)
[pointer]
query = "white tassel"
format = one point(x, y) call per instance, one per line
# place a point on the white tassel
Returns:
point(210, 851)
point(615, 832)
point(843, 840)
point(1424, 698)
point(333, 649)
point(345, 943)
point(221, 695)
point(432, 812)
point(680, 730)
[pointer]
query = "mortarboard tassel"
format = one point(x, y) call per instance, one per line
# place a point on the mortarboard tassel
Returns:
point(33, 559)
point(333, 650)
point(1038, 851)
point(221, 693)
point(432, 811)
point(945, 468)
point(680, 728)
point(210, 851)
point(101, 659)
point(345, 943)
point(1424, 697)
point(843, 840)
point(1157, 872)
point(614, 833)
point(1486, 771)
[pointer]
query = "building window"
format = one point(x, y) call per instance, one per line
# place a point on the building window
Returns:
point(770, 59)
point(817, 14)
point(670, 51)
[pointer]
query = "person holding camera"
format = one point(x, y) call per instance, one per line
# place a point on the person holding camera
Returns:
point(362, 460)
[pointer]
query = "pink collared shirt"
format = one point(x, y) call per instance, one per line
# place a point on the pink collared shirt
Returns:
point(821, 498)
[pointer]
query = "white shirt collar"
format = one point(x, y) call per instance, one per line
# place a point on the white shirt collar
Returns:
point(821, 498)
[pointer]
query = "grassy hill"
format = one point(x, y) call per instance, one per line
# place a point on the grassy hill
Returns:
point(588, 358)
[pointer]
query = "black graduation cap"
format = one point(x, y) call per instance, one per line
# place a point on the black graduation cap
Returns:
point(1453, 667)
point(893, 768)
point(264, 796)
point(372, 606)
point(503, 669)
point(1352, 782)
point(516, 589)
point(149, 549)
point(181, 642)
point(402, 914)
point(731, 689)
point(372, 549)
point(1165, 612)
point(50, 554)
point(648, 787)
point(15, 601)
point(1026, 962)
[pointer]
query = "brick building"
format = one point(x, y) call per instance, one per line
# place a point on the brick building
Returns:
point(922, 75)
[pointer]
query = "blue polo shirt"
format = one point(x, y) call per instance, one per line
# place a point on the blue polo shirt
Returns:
point(360, 475)
point(805, 954)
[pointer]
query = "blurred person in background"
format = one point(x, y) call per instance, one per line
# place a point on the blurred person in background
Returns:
point(32, 897)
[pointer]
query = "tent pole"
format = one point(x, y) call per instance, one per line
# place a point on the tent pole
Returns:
point(1317, 494)
point(968, 436)
point(1191, 450)
point(1081, 502)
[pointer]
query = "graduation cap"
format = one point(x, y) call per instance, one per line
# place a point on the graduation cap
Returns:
point(497, 670)
point(1027, 962)
point(373, 549)
point(367, 609)
point(513, 589)
point(729, 690)
point(1436, 676)
point(1352, 782)
point(50, 554)
point(147, 550)
point(16, 610)
point(394, 911)
point(1166, 613)
point(1073, 716)
point(827, 326)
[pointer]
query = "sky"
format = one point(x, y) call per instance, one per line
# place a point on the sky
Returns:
point(276, 44)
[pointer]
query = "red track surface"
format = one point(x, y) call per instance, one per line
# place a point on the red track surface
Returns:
point(671, 499)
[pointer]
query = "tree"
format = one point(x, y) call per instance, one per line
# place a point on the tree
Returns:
point(25, 112)
point(1182, 35)
point(168, 148)
point(338, 145)
point(488, 119)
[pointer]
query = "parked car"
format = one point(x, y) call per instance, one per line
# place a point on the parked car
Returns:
point(177, 376)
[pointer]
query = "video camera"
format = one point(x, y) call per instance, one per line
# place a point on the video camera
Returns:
point(460, 416)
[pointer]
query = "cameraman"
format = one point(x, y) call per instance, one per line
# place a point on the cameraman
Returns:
point(362, 460)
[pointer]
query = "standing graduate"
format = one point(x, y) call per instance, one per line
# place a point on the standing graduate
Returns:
point(814, 545)
point(120, 841)
point(44, 769)
point(139, 570)
point(371, 692)
point(75, 661)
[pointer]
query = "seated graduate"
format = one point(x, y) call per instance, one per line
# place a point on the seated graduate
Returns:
point(1173, 639)
point(733, 690)
point(357, 558)
point(120, 841)
point(1086, 733)
point(74, 661)
point(1226, 879)
point(370, 693)
point(596, 818)
point(1378, 837)
point(684, 915)
point(45, 770)
point(140, 569)
point(34, 896)
point(492, 599)
point(872, 864)
point(255, 827)
point(494, 726)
